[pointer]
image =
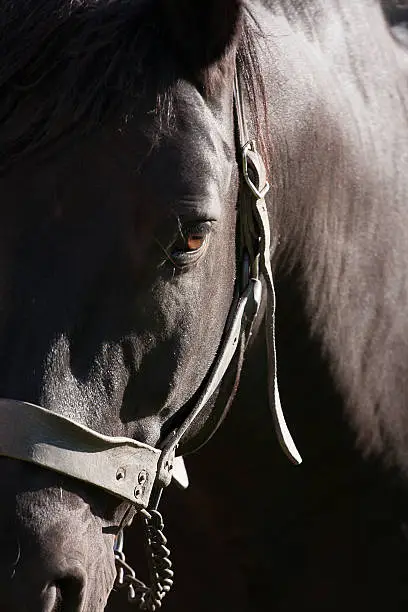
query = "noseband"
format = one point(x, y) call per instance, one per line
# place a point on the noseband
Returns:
point(137, 472)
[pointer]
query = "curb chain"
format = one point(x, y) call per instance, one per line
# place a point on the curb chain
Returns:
point(148, 598)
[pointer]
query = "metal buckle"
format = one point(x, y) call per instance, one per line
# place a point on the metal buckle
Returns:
point(246, 155)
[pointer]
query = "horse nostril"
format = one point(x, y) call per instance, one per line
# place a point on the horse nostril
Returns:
point(68, 594)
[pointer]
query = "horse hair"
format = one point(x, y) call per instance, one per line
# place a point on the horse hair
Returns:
point(83, 61)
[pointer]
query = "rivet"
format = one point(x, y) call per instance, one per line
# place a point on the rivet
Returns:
point(121, 474)
point(142, 477)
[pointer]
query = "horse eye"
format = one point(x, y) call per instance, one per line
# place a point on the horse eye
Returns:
point(195, 241)
point(190, 242)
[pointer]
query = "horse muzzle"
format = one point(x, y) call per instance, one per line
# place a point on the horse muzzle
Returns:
point(56, 553)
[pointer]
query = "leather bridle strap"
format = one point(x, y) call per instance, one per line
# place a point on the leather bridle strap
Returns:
point(255, 235)
point(243, 310)
point(255, 239)
point(121, 466)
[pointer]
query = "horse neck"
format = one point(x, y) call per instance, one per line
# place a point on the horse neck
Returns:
point(338, 206)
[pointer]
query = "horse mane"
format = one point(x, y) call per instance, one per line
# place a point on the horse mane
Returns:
point(68, 66)
point(343, 220)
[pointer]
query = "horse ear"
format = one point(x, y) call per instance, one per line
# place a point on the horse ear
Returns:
point(202, 30)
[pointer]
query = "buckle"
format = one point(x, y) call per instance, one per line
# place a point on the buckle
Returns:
point(252, 159)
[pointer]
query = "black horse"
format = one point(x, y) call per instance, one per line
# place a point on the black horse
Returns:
point(120, 183)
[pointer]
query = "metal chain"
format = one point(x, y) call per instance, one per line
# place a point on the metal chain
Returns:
point(160, 572)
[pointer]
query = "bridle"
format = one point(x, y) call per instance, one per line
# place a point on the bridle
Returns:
point(132, 470)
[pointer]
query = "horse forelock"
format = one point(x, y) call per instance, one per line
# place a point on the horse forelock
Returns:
point(82, 62)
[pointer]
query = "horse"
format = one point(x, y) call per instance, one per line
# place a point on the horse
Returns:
point(136, 257)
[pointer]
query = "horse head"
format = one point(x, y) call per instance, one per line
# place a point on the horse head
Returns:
point(118, 265)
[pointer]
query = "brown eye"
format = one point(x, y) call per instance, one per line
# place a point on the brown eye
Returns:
point(190, 243)
point(195, 241)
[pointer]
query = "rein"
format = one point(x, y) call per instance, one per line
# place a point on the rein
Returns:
point(137, 472)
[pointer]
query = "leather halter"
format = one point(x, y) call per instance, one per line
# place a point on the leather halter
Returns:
point(129, 469)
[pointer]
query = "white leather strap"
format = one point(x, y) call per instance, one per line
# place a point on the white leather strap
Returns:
point(118, 465)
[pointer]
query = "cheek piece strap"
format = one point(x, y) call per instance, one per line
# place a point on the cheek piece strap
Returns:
point(134, 471)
